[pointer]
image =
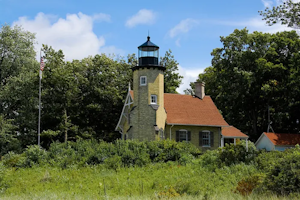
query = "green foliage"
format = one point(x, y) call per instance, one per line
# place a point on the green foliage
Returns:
point(172, 80)
point(12, 159)
point(284, 177)
point(18, 67)
point(286, 13)
point(267, 160)
point(233, 154)
point(8, 139)
point(34, 155)
point(2, 174)
point(251, 71)
point(114, 155)
point(151, 181)
point(114, 162)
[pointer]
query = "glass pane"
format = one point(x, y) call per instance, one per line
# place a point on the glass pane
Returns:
point(182, 136)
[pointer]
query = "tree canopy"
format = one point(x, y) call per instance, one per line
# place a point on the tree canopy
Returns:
point(80, 98)
point(287, 14)
point(252, 71)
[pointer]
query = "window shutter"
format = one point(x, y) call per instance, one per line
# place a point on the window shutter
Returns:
point(177, 136)
point(189, 135)
point(212, 139)
point(200, 138)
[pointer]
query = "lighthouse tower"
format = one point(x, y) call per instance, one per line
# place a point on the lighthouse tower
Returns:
point(148, 114)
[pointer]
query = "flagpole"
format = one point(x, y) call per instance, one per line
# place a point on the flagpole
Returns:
point(40, 91)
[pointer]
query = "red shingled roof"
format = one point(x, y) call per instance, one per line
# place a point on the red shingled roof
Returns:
point(189, 110)
point(231, 131)
point(283, 138)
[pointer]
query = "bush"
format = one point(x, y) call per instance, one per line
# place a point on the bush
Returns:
point(34, 155)
point(2, 174)
point(210, 159)
point(246, 186)
point(114, 162)
point(12, 159)
point(234, 154)
point(266, 161)
point(92, 152)
point(284, 177)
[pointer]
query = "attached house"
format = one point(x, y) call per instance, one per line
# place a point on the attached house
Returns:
point(150, 114)
point(277, 141)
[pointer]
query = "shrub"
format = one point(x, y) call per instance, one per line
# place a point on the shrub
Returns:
point(234, 154)
point(210, 159)
point(266, 161)
point(12, 159)
point(246, 186)
point(2, 173)
point(92, 152)
point(114, 162)
point(284, 177)
point(34, 155)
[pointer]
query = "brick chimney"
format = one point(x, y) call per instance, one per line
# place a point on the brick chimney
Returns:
point(199, 89)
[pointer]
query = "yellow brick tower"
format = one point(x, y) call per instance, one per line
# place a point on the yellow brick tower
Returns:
point(148, 116)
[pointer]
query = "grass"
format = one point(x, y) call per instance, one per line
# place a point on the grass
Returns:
point(154, 181)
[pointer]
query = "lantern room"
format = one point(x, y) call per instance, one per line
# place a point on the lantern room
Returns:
point(148, 54)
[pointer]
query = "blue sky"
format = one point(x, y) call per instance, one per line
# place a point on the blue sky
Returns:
point(190, 28)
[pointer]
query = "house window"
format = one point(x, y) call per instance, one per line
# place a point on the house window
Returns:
point(183, 135)
point(153, 99)
point(206, 138)
point(143, 80)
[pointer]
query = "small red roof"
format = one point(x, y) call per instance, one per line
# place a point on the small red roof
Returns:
point(231, 131)
point(283, 138)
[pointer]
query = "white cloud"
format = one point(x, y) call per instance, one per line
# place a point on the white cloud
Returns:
point(102, 17)
point(177, 42)
point(254, 24)
point(73, 34)
point(267, 3)
point(143, 16)
point(184, 26)
point(189, 75)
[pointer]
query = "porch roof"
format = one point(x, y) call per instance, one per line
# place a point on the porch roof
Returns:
point(232, 132)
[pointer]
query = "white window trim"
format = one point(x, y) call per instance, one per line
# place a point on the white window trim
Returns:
point(209, 145)
point(141, 80)
point(153, 95)
point(186, 135)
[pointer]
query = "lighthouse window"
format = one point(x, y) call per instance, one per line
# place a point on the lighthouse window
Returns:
point(153, 99)
point(143, 80)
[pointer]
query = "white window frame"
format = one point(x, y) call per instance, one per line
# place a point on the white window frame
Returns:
point(182, 131)
point(141, 80)
point(205, 139)
point(155, 96)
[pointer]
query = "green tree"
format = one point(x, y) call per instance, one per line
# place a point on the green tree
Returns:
point(252, 71)
point(172, 79)
point(287, 14)
point(8, 136)
point(19, 81)
point(16, 50)
point(61, 94)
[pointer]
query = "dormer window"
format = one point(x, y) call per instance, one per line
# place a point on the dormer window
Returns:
point(143, 80)
point(153, 99)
